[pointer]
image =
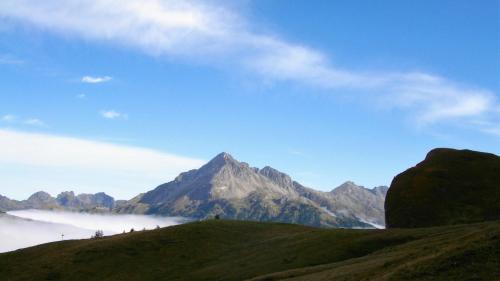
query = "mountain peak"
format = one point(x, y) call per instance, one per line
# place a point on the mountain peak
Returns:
point(224, 156)
point(221, 159)
point(40, 195)
point(233, 189)
point(41, 199)
point(276, 176)
point(348, 185)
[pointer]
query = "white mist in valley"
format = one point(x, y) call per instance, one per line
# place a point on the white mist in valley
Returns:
point(25, 228)
point(110, 224)
point(16, 233)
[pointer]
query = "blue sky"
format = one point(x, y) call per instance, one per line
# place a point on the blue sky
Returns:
point(120, 96)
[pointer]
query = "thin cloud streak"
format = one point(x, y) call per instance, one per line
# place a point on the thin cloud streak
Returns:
point(95, 80)
point(9, 118)
point(34, 122)
point(112, 114)
point(13, 119)
point(210, 32)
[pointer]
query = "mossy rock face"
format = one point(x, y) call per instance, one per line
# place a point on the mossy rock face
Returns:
point(449, 187)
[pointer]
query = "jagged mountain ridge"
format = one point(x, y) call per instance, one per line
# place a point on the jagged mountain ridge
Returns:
point(233, 189)
point(100, 202)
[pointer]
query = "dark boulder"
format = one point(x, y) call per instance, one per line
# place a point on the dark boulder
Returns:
point(449, 187)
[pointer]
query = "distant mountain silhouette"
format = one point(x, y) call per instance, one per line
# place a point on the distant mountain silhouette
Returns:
point(99, 202)
point(449, 187)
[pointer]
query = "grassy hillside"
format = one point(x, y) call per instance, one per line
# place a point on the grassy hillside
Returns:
point(235, 250)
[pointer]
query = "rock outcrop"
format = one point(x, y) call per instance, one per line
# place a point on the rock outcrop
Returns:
point(449, 187)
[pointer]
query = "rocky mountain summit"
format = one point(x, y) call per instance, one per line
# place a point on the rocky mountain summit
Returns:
point(233, 189)
point(85, 201)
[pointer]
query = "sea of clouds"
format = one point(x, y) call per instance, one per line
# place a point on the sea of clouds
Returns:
point(25, 228)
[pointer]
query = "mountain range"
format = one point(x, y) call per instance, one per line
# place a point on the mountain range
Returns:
point(231, 189)
point(99, 202)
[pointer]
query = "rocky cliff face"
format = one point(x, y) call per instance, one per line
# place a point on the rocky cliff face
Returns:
point(449, 187)
point(233, 189)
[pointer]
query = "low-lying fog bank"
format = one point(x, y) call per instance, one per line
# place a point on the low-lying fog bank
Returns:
point(20, 229)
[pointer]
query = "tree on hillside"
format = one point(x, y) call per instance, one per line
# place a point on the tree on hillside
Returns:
point(98, 234)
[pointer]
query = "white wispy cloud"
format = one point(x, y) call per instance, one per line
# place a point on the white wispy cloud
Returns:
point(13, 119)
point(95, 80)
point(29, 162)
point(34, 122)
point(492, 128)
point(112, 114)
point(9, 118)
point(211, 32)
point(81, 96)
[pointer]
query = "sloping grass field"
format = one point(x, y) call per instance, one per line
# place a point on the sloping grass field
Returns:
point(237, 250)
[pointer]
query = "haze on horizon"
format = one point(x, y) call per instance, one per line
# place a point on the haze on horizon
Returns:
point(120, 96)
point(27, 228)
